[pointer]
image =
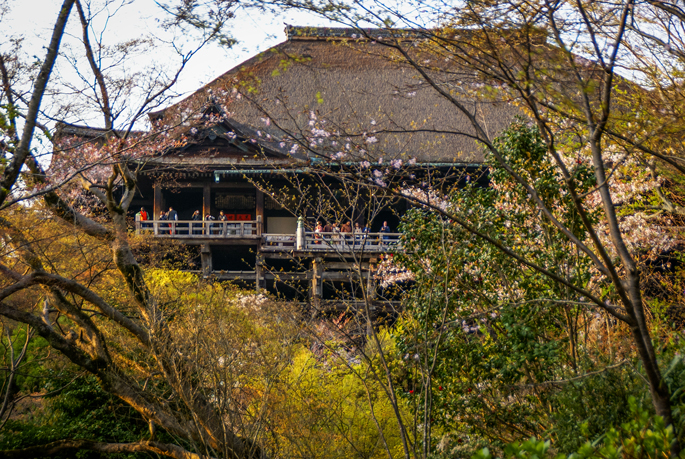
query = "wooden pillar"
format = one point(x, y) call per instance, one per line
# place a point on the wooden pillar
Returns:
point(206, 200)
point(317, 279)
point(206, 258)
point(316, 289)
point(158, 205)
point(259, 211)
point(259, 273)
point(370, 281)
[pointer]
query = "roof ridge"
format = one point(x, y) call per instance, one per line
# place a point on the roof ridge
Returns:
point(313, 33)
point(348, 33)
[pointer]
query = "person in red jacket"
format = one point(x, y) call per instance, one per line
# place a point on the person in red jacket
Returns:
point(141, 217)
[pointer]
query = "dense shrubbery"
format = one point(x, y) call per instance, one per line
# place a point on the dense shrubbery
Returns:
point(81, 410)
point(503, 351)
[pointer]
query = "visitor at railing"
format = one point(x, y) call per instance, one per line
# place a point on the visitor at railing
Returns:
point(209, 218)
point(331, 241)
point(141, 217)
point(344, 238)
point(358, 234)
point(163, 217)
point(197, 227)
point(317, 232)
point(385, 229)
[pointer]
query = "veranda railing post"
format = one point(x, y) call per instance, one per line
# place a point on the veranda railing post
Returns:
point(299, 234)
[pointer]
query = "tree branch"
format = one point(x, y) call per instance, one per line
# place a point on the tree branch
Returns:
point(73, 446)
point(11, 172)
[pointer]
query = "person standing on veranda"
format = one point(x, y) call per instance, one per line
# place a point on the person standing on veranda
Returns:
point(196, 217)
point(385, 229)
point(172, 215)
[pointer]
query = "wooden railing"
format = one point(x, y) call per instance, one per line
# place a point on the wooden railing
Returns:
point(332, 242)
point(369, 242)
point(279, 242)
point(199, 229)
point(312, 241)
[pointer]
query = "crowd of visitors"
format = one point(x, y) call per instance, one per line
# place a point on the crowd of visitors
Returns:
point(347, 228)
point(332, 231)
point(346, 232)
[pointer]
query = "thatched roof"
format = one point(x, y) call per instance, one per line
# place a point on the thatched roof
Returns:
point(89, 133)
point(332, 80)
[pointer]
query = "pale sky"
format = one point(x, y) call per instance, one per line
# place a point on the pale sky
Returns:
point(255, 32)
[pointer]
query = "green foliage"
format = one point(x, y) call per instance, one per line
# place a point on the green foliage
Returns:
point(674, 375)
point(510, 341)
point(327, 406)
point(36, 368)
point(583, 410)
point(641, 436)
point(81, 411)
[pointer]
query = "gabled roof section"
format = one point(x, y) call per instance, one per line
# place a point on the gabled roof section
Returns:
point(212, 141)
point(325, 89)
point(224, 133)
point(66, 129)
point(214, 134)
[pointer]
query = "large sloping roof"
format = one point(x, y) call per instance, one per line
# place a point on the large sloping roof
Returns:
point(323, 81)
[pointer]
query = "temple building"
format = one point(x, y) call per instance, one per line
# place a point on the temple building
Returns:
point(245, 146)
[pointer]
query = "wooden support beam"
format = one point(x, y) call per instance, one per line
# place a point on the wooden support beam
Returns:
point(231, 242)
point(370, 284)
point(158, 205)
point(206, 200)
point(276, 255)
point(316, 291)
point(259, 210)
point(260, 282)
point(234, 275)
point(206, 258)
point(344, 276)
point(234, 185)
point(349, 266)
point(291, 276)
